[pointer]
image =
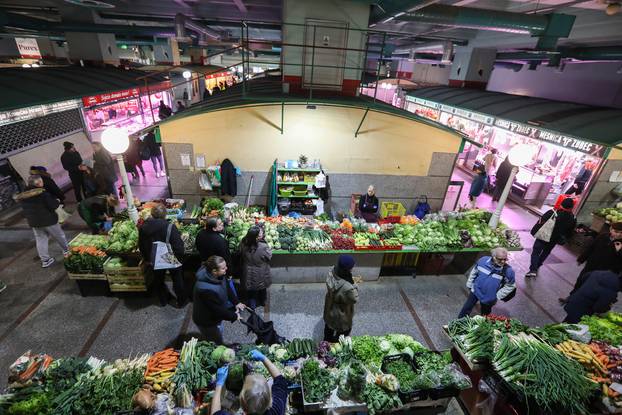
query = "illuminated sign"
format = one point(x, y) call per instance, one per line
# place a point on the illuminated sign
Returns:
point(112, 96)
point(23, 114)
point(28, 47)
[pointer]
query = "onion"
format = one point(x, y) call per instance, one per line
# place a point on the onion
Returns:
point(144, 399)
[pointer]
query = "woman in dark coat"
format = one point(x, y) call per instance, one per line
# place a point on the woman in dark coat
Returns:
point(565, 223)
point(155, 152)
point(478, 184)
point(501, 178)
point(256, 256)
point(368, 205)
point(132, 159)
point(595, 296)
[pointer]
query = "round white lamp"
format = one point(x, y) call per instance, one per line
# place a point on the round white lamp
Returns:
point(519, 156)
point(116, 141)
point(186, 74)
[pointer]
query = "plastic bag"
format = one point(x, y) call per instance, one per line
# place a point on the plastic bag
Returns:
point(453, 376)
point(486, 406)
point(62, 214)
point(582, 335)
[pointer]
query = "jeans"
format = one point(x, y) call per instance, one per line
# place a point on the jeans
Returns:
point(178, 285)
point(159, 160)
point(212, 333)
point(42, 236)
point(540, 252)
point(332, 336)
point(470, 303)
point(256, 298)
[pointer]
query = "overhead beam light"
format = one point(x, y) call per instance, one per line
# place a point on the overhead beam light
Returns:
point(388, 20)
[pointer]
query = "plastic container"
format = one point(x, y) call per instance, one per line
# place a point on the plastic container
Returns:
point(285, 192)
point(300, 192)
point(411, 396)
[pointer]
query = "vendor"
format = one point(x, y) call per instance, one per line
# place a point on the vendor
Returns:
point(256, 396)
point(96, 210)
point(368, 205)
point(210, 241)
point(596, 296)
point(214, 299)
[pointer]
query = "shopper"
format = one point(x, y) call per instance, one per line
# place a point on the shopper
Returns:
point(72, 161)
point(214, 299)
point(180, 106)
point(581, 180)
point(603, 254)
point(256, 256)
point(501, 178)
point(39, 208)
point(164, 111)
point(156, 153)
point(478, 184)
point(210, 241)
point(595, 296)
point(368, 205)
point(563, 229)
point(49, 184)
point(490, 161)
point(155, 229)
point(491, 279)
point(133, 161)
point(104, 166)
point(256, 397)
point(341, 295)
point(97, 210)
point(94, 183)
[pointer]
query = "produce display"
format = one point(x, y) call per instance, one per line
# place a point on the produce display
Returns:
point(612, 214)
point(212, 207)
point(188, 235)
point(607, 328)
point(316, 381)
point(96, 241)
point(123, 237)
point(85, 260)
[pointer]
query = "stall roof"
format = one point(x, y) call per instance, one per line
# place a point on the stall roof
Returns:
point(599, 125)
point(25, 87)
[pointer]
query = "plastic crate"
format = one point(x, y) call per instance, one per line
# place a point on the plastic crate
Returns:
point(412, 396)
point(285, 193)
point(389, 219)
point(392, 209)
point(300, 192)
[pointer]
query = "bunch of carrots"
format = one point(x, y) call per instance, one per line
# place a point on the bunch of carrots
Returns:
point(160, 369)
point(87, 250)
point(585, 355)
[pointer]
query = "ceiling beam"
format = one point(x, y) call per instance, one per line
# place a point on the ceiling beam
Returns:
point(241, 6)
point(182, 4)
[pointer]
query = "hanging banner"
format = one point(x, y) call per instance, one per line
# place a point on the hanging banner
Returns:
point(551, 137)
point(111, 96)
point(28, 47)
point(23, 114)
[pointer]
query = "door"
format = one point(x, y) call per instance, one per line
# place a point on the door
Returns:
point(324, 53)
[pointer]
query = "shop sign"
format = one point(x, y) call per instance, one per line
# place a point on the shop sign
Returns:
point(28, 47)
point(112, 96)
point(424, 102)
point(217, 75)
point(159, 87)
point(23, 114)
point(469, 115)
point(551, 137)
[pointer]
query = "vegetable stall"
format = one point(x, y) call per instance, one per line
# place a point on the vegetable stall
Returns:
point(558, 368)
point(377, 374)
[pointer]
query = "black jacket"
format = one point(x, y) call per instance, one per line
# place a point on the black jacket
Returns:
point(104, 165)
point(228, 179)
point(39, 207)
point(601, 255)
point(595, 296)
point(70, 161)
point(210, 243)
point(210, 298)
point(50, 186)
point(154, 230)
point(564, 226)
point(150, 142)
point(368, 204)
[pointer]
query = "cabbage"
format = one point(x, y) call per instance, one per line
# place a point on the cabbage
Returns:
point(385, 346)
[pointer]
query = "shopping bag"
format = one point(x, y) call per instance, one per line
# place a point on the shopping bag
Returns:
point(546, 230)
point(145, 153)
point(62, 214)
point(162, 256)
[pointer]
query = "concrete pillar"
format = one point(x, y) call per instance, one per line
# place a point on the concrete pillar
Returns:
point(472, 67)
point(166, 54)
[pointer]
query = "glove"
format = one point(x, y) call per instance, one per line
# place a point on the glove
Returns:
point(221, 375)
point(257, 355)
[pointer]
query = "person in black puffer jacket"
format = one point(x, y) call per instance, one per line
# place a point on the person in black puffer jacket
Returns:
point(595, 296)
point(154, 230)
point(214, 299)
point(39, 208)
point(49, 184)
point(563, 229)
point(210, 242)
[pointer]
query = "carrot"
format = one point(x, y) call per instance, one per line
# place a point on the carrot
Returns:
point(31, 370)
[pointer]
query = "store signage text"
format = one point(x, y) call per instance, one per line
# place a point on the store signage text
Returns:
point(548, 136)
point(112, 96)
point(23, 114)
point(28, 47)
point(469, 115)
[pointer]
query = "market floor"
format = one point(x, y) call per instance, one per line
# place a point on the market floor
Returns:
point(43, 311)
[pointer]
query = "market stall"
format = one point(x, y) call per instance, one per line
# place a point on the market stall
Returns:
point(376, 374)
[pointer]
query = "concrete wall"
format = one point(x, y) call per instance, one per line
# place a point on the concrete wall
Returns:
point(434, 74)
point(593, 83)
point(98, 47)
point(600, 196)
point(401, 157)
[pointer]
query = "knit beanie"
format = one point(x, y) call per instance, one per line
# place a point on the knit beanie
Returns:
point(67, 145)
point(568, 203)
point(346, 262)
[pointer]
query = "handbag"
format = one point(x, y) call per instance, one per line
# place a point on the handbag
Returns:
point(162, 256)
point(145, 153)
point(546, 230)
point(62, 214)
point(512, 293)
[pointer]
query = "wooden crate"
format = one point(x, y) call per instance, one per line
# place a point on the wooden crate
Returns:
point(76, 276)
point(116, 287)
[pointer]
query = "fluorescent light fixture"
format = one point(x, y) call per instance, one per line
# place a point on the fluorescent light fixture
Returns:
point(400, 14)
point(25, 65)
point(35, 65)
point(388, 20)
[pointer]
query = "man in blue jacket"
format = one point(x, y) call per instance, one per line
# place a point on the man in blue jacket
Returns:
point(491, 279)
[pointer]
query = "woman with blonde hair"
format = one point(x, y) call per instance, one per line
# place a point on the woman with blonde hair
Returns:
point(256, 396)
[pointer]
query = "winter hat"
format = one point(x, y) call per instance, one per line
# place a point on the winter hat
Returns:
point(346, 262)
point(67, 145)
point(568, 203)
point(617, 226)
point(38, 168)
